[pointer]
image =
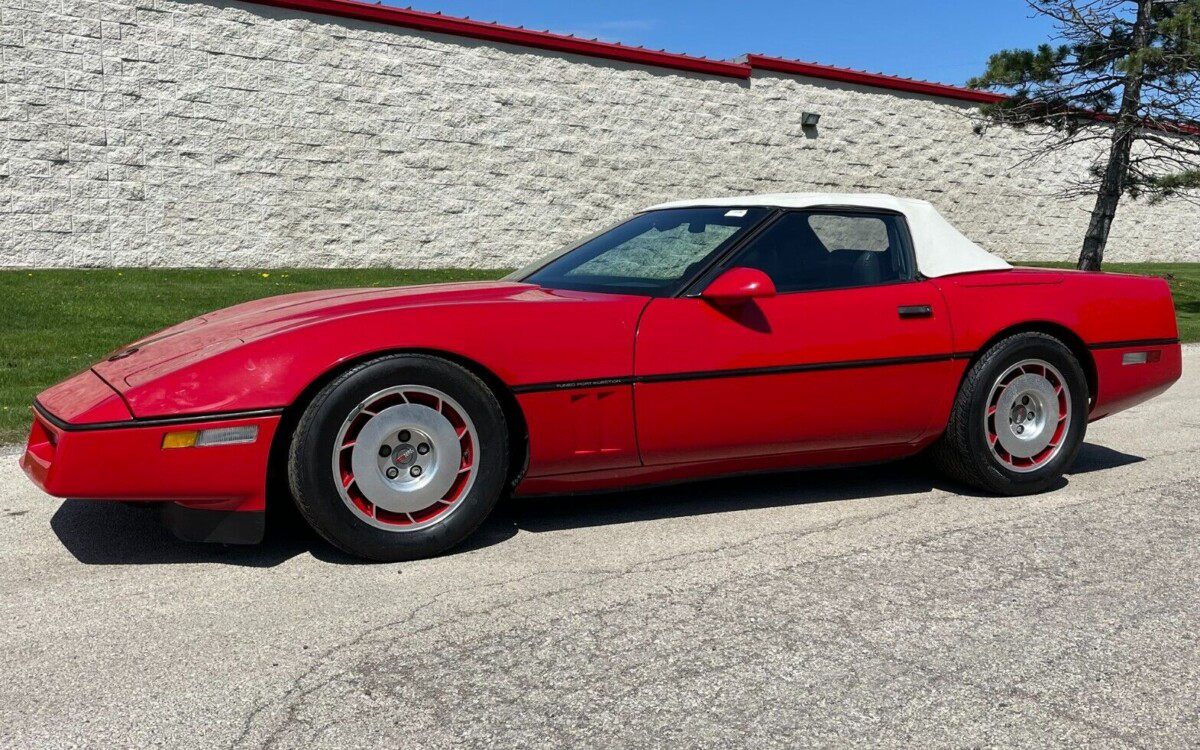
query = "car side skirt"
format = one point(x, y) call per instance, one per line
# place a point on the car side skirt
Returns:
point(647, 476)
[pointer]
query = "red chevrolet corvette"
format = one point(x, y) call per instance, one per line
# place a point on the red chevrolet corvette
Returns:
point(695, 339)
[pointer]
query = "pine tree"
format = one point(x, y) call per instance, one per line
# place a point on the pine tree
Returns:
point(1128, 73)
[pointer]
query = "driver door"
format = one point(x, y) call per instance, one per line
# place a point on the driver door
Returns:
point(852, 351)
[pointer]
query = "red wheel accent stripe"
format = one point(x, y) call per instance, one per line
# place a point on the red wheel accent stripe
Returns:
point(439, 506)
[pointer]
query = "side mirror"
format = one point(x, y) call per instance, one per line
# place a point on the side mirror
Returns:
point(739, 285)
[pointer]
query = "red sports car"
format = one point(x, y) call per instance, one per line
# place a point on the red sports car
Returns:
point(695, 339)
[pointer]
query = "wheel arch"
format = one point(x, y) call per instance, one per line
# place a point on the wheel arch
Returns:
point(1059, 331)
point(514, 416)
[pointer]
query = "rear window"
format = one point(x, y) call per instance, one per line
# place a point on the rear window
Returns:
point(839, 232)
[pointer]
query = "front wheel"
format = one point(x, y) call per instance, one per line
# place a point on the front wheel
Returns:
point(1018, 419)
point(399, 458)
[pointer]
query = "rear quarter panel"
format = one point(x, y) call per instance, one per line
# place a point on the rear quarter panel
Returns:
point(1109, 315)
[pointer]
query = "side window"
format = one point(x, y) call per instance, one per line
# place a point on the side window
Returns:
point(809, 250)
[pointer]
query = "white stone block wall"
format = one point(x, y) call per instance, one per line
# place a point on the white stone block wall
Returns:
point(226, 134)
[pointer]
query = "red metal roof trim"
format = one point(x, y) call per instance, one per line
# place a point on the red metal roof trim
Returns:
point(436, 22)
point(494, 32)
point(879, 80)
point(875, 80)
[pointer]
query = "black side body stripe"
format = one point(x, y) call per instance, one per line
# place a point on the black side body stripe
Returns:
point(1133, 343)
point(153, 421)
point(738, 373)
point(590, 383)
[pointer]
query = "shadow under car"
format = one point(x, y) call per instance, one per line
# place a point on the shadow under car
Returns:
point(106, 533)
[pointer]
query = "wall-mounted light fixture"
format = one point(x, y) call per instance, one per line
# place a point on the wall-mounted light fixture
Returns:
point(809, 119)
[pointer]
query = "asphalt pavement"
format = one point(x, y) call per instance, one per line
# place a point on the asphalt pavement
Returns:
point(876, 607)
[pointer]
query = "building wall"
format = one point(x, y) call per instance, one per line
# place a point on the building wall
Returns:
point(227, 134)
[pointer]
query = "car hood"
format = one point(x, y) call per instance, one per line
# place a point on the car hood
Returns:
point(210, 334)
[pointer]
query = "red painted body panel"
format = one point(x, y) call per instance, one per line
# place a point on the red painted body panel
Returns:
point(129, 463)
point(1122, 386)
point(709, 418)
point(519, 332)
point(85, 399)
point(1096, 307)
point(615, 389)
point(584, 429)
point(597, 481)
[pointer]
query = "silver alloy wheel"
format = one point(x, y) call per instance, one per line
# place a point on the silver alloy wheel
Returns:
point(1028, 415)
point(405, 457)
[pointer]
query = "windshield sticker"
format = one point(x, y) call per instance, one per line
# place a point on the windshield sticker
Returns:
point(736, 213)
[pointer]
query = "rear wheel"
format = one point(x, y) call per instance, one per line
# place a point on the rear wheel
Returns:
point(1019, 417)
point(399, 458)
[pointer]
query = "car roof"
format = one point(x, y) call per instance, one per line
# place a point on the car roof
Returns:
point(798, 200)
point(941, 249)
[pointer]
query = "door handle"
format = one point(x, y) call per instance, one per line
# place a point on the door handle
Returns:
point(915, 311)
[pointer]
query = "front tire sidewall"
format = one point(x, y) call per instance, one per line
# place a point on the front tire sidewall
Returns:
point(995, 475)
point(310, 464)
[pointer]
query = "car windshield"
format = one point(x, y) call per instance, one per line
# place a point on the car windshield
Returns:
point(651, 254)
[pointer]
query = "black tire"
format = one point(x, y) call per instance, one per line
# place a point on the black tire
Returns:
point(963, 453)
point(311, 471)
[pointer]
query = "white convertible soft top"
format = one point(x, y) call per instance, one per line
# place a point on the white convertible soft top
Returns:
point(941, 249)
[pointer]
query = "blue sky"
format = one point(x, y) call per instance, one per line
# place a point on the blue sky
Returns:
point(938, 40)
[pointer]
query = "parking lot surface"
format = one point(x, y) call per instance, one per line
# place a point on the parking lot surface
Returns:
point(873, 607)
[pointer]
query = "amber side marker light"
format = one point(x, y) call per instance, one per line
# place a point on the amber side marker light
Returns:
point(214, 436)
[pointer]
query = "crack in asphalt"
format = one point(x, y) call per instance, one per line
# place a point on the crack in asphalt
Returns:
point(656, 565)
point(326, 671)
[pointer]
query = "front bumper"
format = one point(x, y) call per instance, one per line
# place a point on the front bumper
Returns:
point(126, 461)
